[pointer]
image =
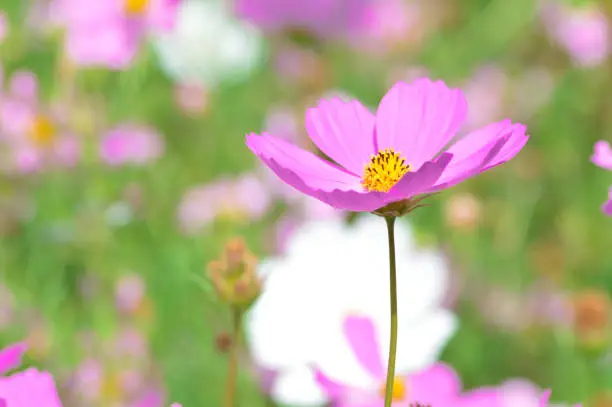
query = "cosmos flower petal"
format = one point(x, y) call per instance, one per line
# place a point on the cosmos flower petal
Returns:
point(607, 207)
point(330, 387)
point(482, 397)
point(602, 155)
point(418, 182)
point(313, 176)
point(10, 357)
point(344, 131)
point(434, 385)
point(481, 150)
point(419, 119)
point(29, 388)
point(545, 398)
point(428, 337)
point(361, 335)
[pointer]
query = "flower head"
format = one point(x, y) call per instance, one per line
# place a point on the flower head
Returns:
point(330, 274)
point(110, 33)
point(390, 157)
point(582, 31)
point(234, 276)
point(131, 144)
point(35, 134)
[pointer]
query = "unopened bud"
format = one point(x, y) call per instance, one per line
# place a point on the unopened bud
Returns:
point(234, 277)
point(235, 251)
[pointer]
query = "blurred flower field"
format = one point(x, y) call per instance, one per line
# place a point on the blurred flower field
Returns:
point(124, 173)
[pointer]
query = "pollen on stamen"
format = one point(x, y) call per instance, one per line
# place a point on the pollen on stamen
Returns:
point(399, 389)
point(42, 131)
point(384, 170)
point(136, 7)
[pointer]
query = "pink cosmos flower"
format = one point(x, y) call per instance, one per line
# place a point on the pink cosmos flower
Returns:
point(602, 157)
point(34, 134)
point(582, 31)
point(323, 18)
point(110, 33)
point(391, 156)
point(28, 388)
point(129, 144)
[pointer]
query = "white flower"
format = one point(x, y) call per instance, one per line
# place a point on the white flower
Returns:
point(208, 46)
point(331, 271)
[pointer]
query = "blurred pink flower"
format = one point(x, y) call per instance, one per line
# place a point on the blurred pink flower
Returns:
point(602, 157)
point(34, 134)
point(109, 33)
point(390, 23)
point(129, 292)
point(131, 145)
point(243, 198)
point(88, 379)
point(485, 92)
point(323, 18)
point(583, 32)
point(4, 26)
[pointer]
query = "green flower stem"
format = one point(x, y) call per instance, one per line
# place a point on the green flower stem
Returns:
point(232, 369)
point(393, 291)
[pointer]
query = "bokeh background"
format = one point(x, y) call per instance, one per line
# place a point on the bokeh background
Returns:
point(124, 172)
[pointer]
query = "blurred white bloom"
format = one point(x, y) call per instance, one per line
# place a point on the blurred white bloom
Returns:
point(208, 46)
point(332, 271)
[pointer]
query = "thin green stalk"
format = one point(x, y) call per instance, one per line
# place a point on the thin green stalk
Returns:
point(393, 291)
point(232, 369)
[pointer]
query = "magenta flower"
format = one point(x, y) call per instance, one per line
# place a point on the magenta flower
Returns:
point(36, 135)
point(28, 388)
point(110, 33)
point(602, 157)
point(392, 156)
point(582, 31)
point(131, 145)
point(323, 18)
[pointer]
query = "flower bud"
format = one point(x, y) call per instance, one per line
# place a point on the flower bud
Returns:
point(234, 276)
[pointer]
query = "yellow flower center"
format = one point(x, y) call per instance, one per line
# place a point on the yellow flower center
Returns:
point(136, 7)
point(399, 389)
point(42, 131)
point(384, 170)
